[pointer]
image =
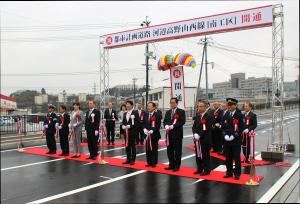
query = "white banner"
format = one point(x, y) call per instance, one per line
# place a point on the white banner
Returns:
point(177, 85)
point(231, 21)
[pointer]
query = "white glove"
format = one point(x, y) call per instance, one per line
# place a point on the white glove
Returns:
point(227, 138)
point(145, 131)
point(196, 136)
point(151, 132)
point(167, 127)
point(56, 124)
point(123, 127)
point(96, 132)
point(46, 126)
point(218, 125)
point(231, 138)
point(171, 127)
point(246, 131)
point(70, 125)
point(60, 127)
point(120, 121)
point(74, 125)
point(128, 126)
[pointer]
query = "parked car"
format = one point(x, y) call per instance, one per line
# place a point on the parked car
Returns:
point(7, 121)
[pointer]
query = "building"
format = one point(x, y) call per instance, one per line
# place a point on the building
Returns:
point(162, 96)
point(125, 87)
point(41, 99)
point(291, 89)
point(241, 88)
point(8, 105)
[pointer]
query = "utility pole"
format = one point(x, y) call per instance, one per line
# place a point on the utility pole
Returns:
point(94, 89)
point(147, 23)
point(204, 42)
point(134, 80)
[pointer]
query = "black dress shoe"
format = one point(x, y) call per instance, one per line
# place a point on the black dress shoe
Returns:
point(48, 152)
point(113, 143)
point(75, 156)
point(148, 165)
point(66, 154)
point(205, 173)
point(93, 158)
point(237, 177)
point(176, 169)
point(108, 143)
point(52, 152)
point(61, 154)
point(227, 176)
point(153, 166)
point(198, 172)
point(169, 168)
point(131, 162)
point(126, 162)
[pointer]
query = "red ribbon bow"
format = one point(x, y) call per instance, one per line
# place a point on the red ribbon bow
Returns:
point(203, 121)
point(49, 119)
point(62, 119)
point(235, 122)
point(77, 116)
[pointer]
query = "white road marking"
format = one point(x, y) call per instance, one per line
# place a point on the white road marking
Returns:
point(269, 195)
point(105, 177)
point(54, 197)
point(88, 163)
point(37, 163)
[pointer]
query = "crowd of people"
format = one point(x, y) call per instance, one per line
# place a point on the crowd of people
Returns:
point(221, 128)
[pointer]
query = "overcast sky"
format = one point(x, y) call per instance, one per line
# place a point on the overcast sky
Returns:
point(62, 37)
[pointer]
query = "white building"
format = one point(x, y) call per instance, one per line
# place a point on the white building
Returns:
point(41, 99)
point(162, 96)
point(8, 104)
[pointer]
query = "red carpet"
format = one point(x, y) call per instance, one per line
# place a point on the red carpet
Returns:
point(221, 157)
point(184, 171)
point(119, 144)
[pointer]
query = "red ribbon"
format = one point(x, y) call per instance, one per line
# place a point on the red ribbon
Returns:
point(203, 122)
point(149, 142)
point(252, 135)
point(198, 148)
point(127, 136)
point(167, 137)
point(235, 122)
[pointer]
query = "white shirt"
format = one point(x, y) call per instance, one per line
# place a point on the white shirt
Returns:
point(232, 113)
point(128, 115)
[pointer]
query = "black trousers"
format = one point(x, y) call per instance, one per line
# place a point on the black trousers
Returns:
point(50, 140)
point(110, 131)
point(140, 137)
point(204, 163)
point(233, 153)
point(217, 139)
point(92, 143)
point(64, 141)
point(131, 149)
point(246, 150)
point(152, 156)
point(174, 151)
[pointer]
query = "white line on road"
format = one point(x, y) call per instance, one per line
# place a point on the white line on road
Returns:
point(269, 195)
point(37, 163)
point(105, 177)
point(54, 197)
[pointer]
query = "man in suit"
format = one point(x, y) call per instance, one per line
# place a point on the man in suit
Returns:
point(110, 116)
point(173, 122)
point(140, 136)
point(92, 120)
point(216, 128)
point(233, 139)
point(151, 128)
point(250, 125)
point(64, 121)
point(130, 126)
point(202, 132)
point(49, 127)
point(225, 115)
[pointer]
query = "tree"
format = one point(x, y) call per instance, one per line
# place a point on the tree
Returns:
point(43, 91)
point(24, 98)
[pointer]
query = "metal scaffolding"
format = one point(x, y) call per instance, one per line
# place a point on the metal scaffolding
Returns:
point(275, 143)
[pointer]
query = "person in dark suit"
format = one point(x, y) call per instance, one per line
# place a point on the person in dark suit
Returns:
point(202, 132)
point(250, 125)
point(233, 139)
point(151, 126)
point(49, 127)
point(92, 120)
point(216, 128)
point(140, 136)
point(63, 123)
point(110, 116)
point(173, 123)
point(225, 115)
point(130, 125)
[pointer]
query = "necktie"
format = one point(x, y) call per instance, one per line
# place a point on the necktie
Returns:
point(200, 115)
point(90, 112)
point(150, 115)
point(173, 111)
point(109, 112)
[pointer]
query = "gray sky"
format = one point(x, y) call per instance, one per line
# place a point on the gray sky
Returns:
point(62, 37)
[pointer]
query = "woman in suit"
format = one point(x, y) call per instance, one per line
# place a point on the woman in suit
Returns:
point(76, 123)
